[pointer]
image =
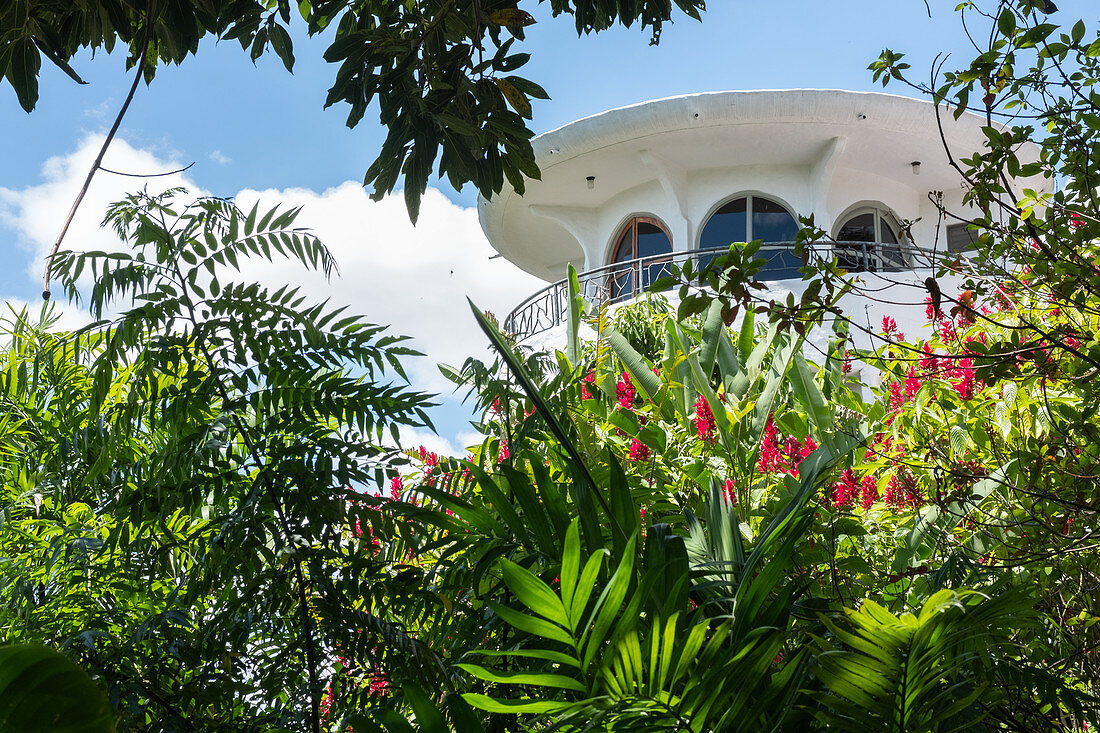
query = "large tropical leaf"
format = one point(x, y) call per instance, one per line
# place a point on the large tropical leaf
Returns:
point(925, 672)
point(42, 691)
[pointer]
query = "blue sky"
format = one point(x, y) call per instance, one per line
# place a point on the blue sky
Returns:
point(257, 128)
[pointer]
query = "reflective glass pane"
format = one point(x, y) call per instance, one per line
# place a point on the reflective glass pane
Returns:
point(624, 250)
point(856, 257)
point(651, 240)
point(888, 235)
point(858, 229)
point(771, 222)
point(725, 226)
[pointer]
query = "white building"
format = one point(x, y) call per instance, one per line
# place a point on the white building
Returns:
point(627, 190)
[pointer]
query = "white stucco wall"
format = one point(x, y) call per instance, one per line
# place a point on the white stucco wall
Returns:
point(819, 152)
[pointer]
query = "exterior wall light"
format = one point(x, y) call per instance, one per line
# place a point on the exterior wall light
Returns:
point(861, 116)
point(915, 165)
point(591, 182)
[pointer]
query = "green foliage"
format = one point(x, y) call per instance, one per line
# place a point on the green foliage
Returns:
point(42, 691)
point(918, 672)
point(181, 480)
point(686, 525)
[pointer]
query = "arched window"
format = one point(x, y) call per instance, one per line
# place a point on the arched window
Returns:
point(868, 240)
point(749, 218)
point(642, 238)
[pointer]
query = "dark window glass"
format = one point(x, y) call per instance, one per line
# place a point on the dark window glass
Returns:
point(771, 222)
point(726, 226)
point(888, 235)
point(624, 250)
point(875, 252)
point(652, 240)
point(858, 229)
point(782, 264)
point(641, 238)
point(960, 238)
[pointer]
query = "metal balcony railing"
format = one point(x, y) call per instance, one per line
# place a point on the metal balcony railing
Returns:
point(625, 280)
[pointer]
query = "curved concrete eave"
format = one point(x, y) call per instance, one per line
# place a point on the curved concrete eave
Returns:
point(670, 140)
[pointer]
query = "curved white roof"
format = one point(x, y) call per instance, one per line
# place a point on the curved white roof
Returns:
point(679, 141)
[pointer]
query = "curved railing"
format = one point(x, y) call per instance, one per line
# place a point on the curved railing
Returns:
point(625, 280)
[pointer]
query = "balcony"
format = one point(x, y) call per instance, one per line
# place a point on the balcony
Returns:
point(622, 281)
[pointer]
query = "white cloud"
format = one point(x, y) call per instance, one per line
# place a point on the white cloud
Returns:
point(456, 447)
point(36, 213)
point(415, 279)
point(220, 158)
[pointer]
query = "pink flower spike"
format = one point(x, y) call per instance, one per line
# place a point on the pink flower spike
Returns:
point(868, 491)
point(729, 491)
point(705, 425)
point(625, 392)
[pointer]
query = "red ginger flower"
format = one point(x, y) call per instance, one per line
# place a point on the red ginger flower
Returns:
point(625, 392)
point(796, 452)
point(928, 362)
point(502, 456)
point(729, 491)
point(901, 490)
point(809, 445)
point(639, 451)
point(846, 489)
point(771, 458)
point(705, 426)
point(897, 397)
point(868, 491)
point(590, 379)
point(912, 385)
point(889, 326)
point(792, 447)
point(964, 382)
point(379, 686)
point(396, 486)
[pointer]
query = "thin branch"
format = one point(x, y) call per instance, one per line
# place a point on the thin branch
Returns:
point(103, 149)
point(147, 175)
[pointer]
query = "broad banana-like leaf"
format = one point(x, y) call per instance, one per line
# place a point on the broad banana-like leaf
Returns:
point(43, 691)
point(560, 432)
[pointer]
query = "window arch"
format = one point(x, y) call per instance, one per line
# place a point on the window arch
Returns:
point(748, 218)
point(870, 238)
point(640, 238)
